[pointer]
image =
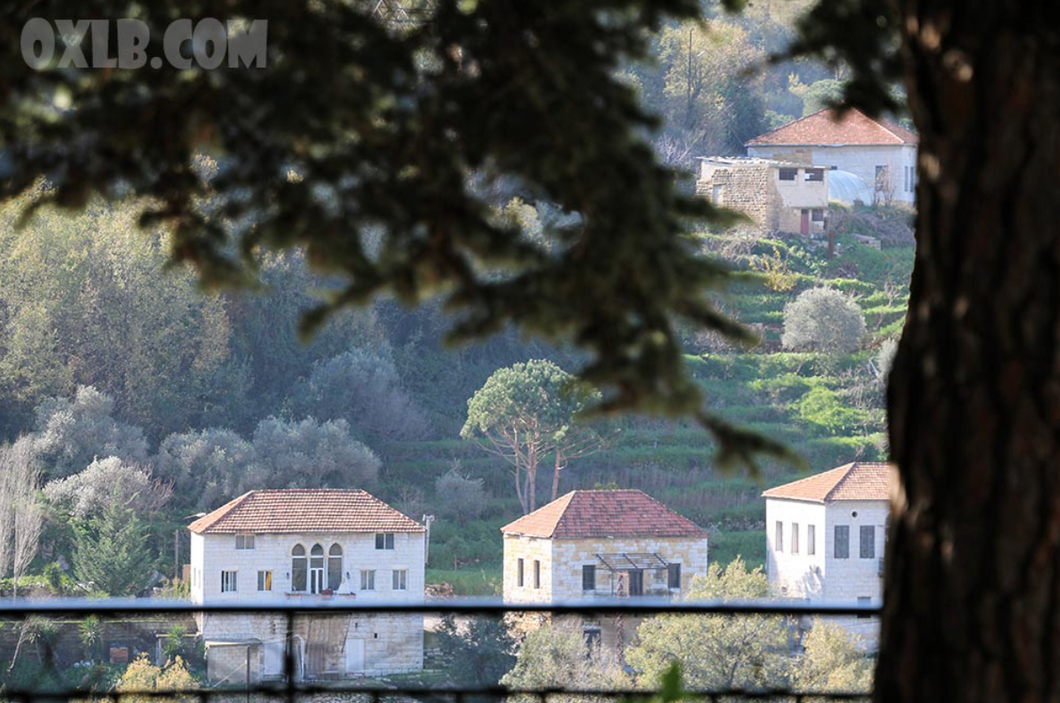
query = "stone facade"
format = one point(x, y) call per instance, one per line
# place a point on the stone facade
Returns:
point(777, 196)
point(561, 563)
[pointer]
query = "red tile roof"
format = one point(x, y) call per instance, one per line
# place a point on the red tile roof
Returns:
point(822, 129)
point(610, 513)
point(859, 480)
point(304, 510)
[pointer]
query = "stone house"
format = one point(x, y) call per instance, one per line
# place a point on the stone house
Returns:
point(601, 544)
point(877, 153)
point(826, 536)
point(777, 196)
point(312, 546)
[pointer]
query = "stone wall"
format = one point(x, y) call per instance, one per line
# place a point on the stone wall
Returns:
point(529, 549)
point(748, 189)
point(392, 643)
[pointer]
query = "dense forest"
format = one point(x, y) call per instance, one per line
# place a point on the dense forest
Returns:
point(123, 379)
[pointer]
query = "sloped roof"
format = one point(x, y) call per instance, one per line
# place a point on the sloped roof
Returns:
point(301, 510)
point(822, 129)
point(858, 480)
point(604, 513)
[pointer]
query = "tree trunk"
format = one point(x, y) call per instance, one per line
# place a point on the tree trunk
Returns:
point(972, 590)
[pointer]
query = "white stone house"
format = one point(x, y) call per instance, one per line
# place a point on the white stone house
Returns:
point(826, 536)
point(313, 547)
point(878, 153)
point(777, 196)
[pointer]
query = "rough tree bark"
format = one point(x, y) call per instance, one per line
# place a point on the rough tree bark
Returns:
point(972, 591)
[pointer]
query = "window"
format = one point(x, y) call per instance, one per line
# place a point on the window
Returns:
point(788, 174)
point(815, 174)
point(842, 541)
point(401, 580)
point(384, 540)
point(778, 542)
point(811, 539)
point(244, 541)
point(368, 580)
point(589, 577)
point(817, 214)
point(718, 194)
point(864, 601)
point(794, 538)
point(264, 580)
point(537, 574)
point(519, 575)
point(228, 582)
point(905, 173)
point(673, 575)
point(335, 567)
point(868, 542)
point(299, 567)
point(316, 569)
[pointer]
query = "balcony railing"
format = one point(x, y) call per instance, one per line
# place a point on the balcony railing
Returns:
point(291, 684)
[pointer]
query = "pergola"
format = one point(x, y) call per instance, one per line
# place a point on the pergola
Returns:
point(624, 564)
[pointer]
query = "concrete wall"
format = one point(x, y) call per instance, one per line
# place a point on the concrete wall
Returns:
point(212, 553)
point(859, 160)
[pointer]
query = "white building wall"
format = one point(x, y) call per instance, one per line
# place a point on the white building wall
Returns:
point(197, 551)
point(798, 575)
point(214, 553)
point(855, 577)
point(861, 160)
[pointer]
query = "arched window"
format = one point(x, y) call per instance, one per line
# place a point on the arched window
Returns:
point(335, 567)
point(316, 569)
point(298, 568)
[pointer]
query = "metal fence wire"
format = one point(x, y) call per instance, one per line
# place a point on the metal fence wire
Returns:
point(32, 624)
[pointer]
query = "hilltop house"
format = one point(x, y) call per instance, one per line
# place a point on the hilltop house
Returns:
point(777, 196)
point(825, 536)
point(870, 155)
point(312, 545)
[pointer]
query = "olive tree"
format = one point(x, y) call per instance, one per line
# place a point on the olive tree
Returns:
point(717, 652)
point(823, 320)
